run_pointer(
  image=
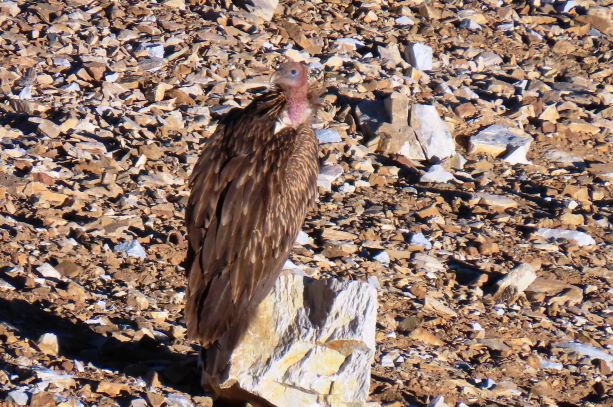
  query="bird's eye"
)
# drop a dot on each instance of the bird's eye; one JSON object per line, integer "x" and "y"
{"x": 293, "y": 72}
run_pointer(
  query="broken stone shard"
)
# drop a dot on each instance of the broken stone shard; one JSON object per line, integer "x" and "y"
{"x": 311, "y": 342}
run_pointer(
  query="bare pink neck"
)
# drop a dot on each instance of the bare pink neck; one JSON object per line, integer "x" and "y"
{"x": 297, "y": 105}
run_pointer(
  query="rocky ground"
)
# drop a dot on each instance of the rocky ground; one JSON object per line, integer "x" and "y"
{"x": 490, "y": 246}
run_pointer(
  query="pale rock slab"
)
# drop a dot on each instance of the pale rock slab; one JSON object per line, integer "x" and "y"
{"x": 432, "y": 132}
{"x": 516, "y": 281}
{"x": 310, "y": 343}
{"x": 563, "y": 157}
{"x": 264, "y": 9}
{"x": 18, "y": 397}
{"x": 437, "y": 173}
{"x": 48, "y": 271}
{"x": 580, "y": 238}
{"x": 488, "y": 59}
{"x": 495, "y": 201}
{"x": 325, "y": 136}
{"x": 496, "y": 140}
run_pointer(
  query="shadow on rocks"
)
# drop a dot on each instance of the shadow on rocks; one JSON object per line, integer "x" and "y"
{"x": 78, "y": 341}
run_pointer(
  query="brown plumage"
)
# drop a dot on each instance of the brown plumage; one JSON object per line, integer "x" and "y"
{"x": 251, "y": 189}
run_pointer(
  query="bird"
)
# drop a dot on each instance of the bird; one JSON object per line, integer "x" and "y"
{"x": 251, "y": 189}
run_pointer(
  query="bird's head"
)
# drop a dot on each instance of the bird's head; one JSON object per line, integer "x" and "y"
{"x": 291, "y": 77}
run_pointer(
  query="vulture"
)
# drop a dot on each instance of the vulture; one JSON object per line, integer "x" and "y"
{"x": 250, "y": 191}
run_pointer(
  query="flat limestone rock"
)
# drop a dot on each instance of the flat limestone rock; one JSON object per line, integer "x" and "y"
{"x": 580, "y": 238}
{"x": 311, "y": 342}
{"x": 497, "y": 140}
{"x": 432, "y": 132}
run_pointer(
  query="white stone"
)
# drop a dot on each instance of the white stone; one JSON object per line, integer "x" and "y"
{"x": 290, "y": 265}
{"x": 580, "y": 238}
{"x": 48, "y": 271}
{"x": 176, "y": 400}
{"x": 547, "y": 364}
{"x": 432, "y": 132}
{"x": 404, "y": 20}
{"x": 518, "y": 155}
{"x": 347, "y": 188}
{"x": 420, "y": 56}
{"x": 470, "y": 25}
{"x": 18, "y": 397}
{"x": 371, "y": 115}
{"x": 348, "y": 43}
{"x": 497, "y": 201}
{"x": 6, "y": 286}
{"x": 138, "y": 403}
{"x": 383, "y": 258}
{"x": 488, "y": 59}
{"x": 328, "y": 136}
{"x": 438, "y": 401}
{"x": 303, "y": 238}
{"x": 327, "y": 175}
{"x": 426, "y": 262}
{"x": 558, "y": 156}
{"x": 387, "y": 360}
{"x": 154, "y": 50}
{"x": 310, "y": 343}
{"x": 519, "y": 278}
{"x": 26, "y": 93}
{"x": 437, "y": 173}
{"x": 48, "y": 344}
{"x": 264, "y": 9}
{"x": 506, "y": 27}
{"x": 496, "y": 140}
{"x": 566, "y": 6}
{"x": 131, "y": 248}
{"x": 418, "y": 239}
{"x": 48, "y": 376}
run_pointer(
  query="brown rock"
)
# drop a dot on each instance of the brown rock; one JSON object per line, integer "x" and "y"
{"x": 42, "y": 399}
{"x": 111, "y": 389}
{"x": 69, "y": 268}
